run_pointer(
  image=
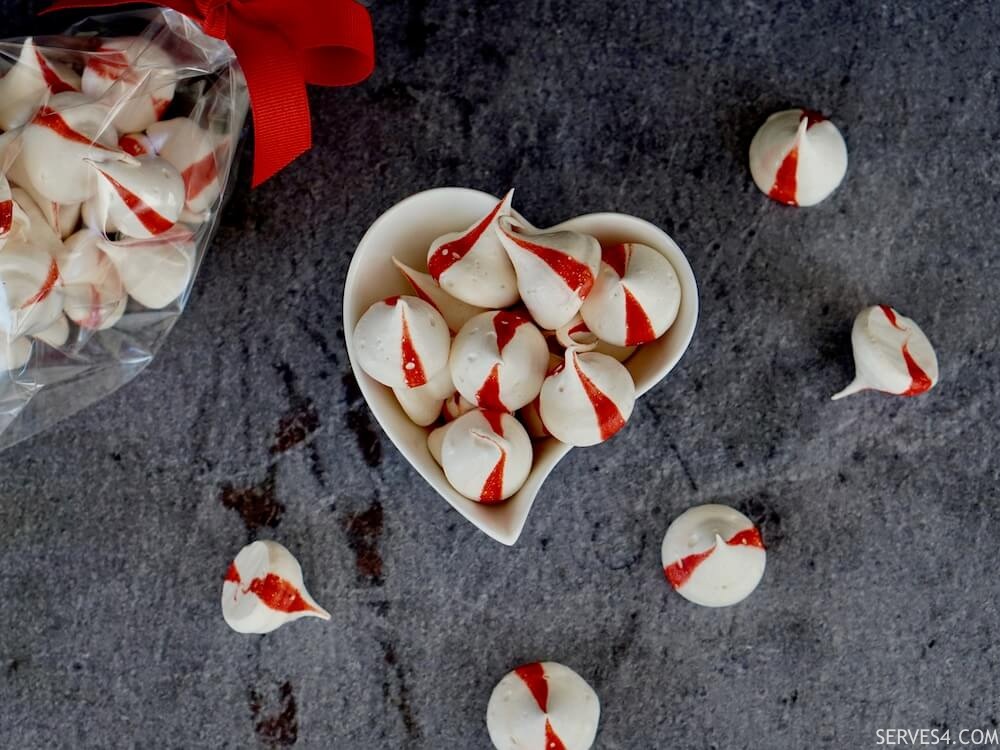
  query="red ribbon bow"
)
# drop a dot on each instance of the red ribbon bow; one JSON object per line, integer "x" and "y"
{"x": 282, "y": 45}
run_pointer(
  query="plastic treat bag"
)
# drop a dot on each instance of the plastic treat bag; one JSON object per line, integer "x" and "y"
{"x": 117, "y": 141}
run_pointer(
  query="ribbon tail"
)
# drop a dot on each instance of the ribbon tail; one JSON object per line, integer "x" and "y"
{"x": 282, "y": 129}
{"x": 184, "y": 6}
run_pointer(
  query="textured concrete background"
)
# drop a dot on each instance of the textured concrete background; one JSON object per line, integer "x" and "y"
{"x": 878, "y": 606}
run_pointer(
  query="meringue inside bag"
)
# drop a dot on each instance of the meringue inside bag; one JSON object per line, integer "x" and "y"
{"x": 116, "y": 145}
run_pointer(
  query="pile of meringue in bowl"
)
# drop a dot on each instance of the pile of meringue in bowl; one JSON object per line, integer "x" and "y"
{"x": 487, "y": 348}
{"x": 114, "y": 153}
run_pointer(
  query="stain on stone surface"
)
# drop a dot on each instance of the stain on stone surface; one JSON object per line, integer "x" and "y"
{"x": 401, "y": 700}
{"x": 300, "y": 421}
{"x": 275, "y": 725}
{"x": 257, "y": 504}
{"x": 358, "y": 421}
{"x": 364, "y": 532}
{"x": 765, "y": 517}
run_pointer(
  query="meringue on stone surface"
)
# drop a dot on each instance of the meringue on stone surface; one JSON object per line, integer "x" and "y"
{"x": 798, "y": 157}
{"x": 139, "y": 200}
{"x": 543, "y": 706}
{"x": 135, "y": 77}
{"x": 891, "y": 354}
{"x": 263, "y": 590}
{"x": 472, "y": 266}
{"x": 402, "y": 342}
{"x": 635, "y": 298}
{"x": 155, "y": 271}
{"x": 588, "y": 399}
{"x": 713, "y": 555}
{"x": 555, "y": 270}
{"x": 498, "y": 360}
{"x": 24, "y": 87}
{"x": 93, "y": 294}
{"x": 455, "y": 312}
{"x": 485, "y": 455}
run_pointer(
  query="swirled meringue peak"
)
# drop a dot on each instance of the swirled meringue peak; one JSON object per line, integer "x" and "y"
{"x": 498, "y": 360}
{"x": 798, "y": 157}
{"x": 263, "y": 590}
{"x": 555, "y": 270}
{"x": 472, "y": 265}
{"x": 26, "y": 85}
{"x": 635, "y": 298}
{"x": 485, "y": 455}
{"x": 588, "y": 399}
{"x": 455, "y": 312}
{"x": 713, "y": 555}
{"x": 402, "y": 342}
{"x": 891, "y": 354}
{"x": 543, "y": 706}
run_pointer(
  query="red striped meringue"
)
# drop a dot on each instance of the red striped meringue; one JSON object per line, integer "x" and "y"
{"x": 635, "y": 298}
{"x": 29, "y": 82}
{"x": 197, "y": 154}
{"x": 588, "y": 399}
{"x": 555, "y": 270}
{"x": 498, "y": 360}
{"x": 472, "y": 265}
{"x": 402, "y": 342}
{"x": 485, "y": 455}
{"x": 93, "y": 295}
{"x": 155, "y": 271}
{"x": 135, "y": 77}
{"x": 141, "y": 200}
{"x": 455, "y": 312}
{"x": 7, "y": 209}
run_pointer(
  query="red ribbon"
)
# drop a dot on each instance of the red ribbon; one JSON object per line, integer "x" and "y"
{"x": 282, "y": 45}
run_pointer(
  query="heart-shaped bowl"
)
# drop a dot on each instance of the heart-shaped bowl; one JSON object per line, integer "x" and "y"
{"x": 406, "y": 231}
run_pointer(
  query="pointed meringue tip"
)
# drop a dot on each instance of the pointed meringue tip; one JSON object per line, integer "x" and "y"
{"x": 856, "y": 386}
{"x": 508, "y": 198}
{"x": 719, "y": 541}
{"x": 803, "y": 127}
{"x": 318, "y": 611}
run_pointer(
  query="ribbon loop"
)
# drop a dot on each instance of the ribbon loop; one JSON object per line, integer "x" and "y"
{"x": 282, "y": 45}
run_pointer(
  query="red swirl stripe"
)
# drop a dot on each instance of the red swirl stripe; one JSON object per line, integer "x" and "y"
{"x": 153, "y": 221}
{"x": 609, "y": 417}
{"x": 46, "y": 288}
{"x": 679, "y": 572}
{"x": 56, "y": 84}
{"x": 449, "y": 253}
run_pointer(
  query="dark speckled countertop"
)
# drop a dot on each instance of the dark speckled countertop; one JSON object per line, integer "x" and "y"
{"x": 878, "y": 608}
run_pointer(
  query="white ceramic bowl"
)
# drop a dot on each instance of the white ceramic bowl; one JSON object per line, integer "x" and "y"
{"x": 406, "y": 231}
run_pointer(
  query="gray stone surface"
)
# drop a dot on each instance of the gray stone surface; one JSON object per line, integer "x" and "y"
{"x": 878, "y": 605}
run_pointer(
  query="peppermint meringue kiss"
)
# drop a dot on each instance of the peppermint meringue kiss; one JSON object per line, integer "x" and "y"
{"x": 588, "y": 399}
{"x": 555, "y": 270}
{"x": 194, "y": 152}
{"x": 485, "y": 455}
{"x": 402, "y": 342}
{"x": 472, "y": 265}
{"x": 93, "y": 294}
{"x": 455, "y": 312}
{"x": 798, "y": 157}
{"x": 635, "y": 298}
{"x": 263, "y": 590}
{"x": 891, "y": 354}
{"x": 134, "y": 74}
{"x": 713, "y": 555}
{"x": 423, "y": 404}
{"x": 139, "y": 200}
{"x": 543, "y": 706}
{"x": 27, "y": 84}
{"x": 498, "y": 360}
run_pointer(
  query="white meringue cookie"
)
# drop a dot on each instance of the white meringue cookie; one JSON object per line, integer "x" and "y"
{"x": 498, "y": 360}
{"x": 263, "y": 590}
{"x": 798, "y": 157}
{"x": 455, "y": 406}
{"x": 140, "y": 201}
{"x": 588, "y": 399}
{"x": 135, "y": 77}
{"x": 423, "y": 405}
{"x": 26, "y": 85}
{"x": 156, "y": 271}
{"x": 635, "y": 298}
{"x": 472, "y": 265}
{"x": 543, "y": 706}
{"x": 555, "y": 270}
{"x": 891, "y": 354}
{"x": 713, "y": 555}
{"x": 14, "y": 353}
{"x": 198, "y": 154}
{"x": 62, "y": 217}
{"x": 486, "y": 456}
{"x": 93, "y": 294}
{"x": 56, "y": 335}
{"x": 62, "y": 140}
{"x": 576, "y": 333}
{"x": 402, "y": 342}
{"x": 455, "y": 312}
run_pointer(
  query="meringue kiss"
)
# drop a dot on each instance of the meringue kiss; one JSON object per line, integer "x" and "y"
{"x": 485, "y": 455}
{"x": 555, "y": 270}
{"x": 198, "y": 154}
{"x": 588, "y": 399}
{"x": 26, "y": 85}
{"x": 891, "y": 354}
{"x": 133, "y": 75}
{"x": 263, "y": 590}
{"x": 472, "y": 265}
{"x": 543, "y": 706}
{"x": 455, "y": 312}
{"x": 423, "y": 404}
{"x": 402, "y": 342}
{"x": 498, "y": 360}
{"x": 139, "y": 200}
{"x": 93, "y": 295}
{"x": 713, "y": 555}
{"x": 798, "y": 157}
{"x": 635, "y": 298}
